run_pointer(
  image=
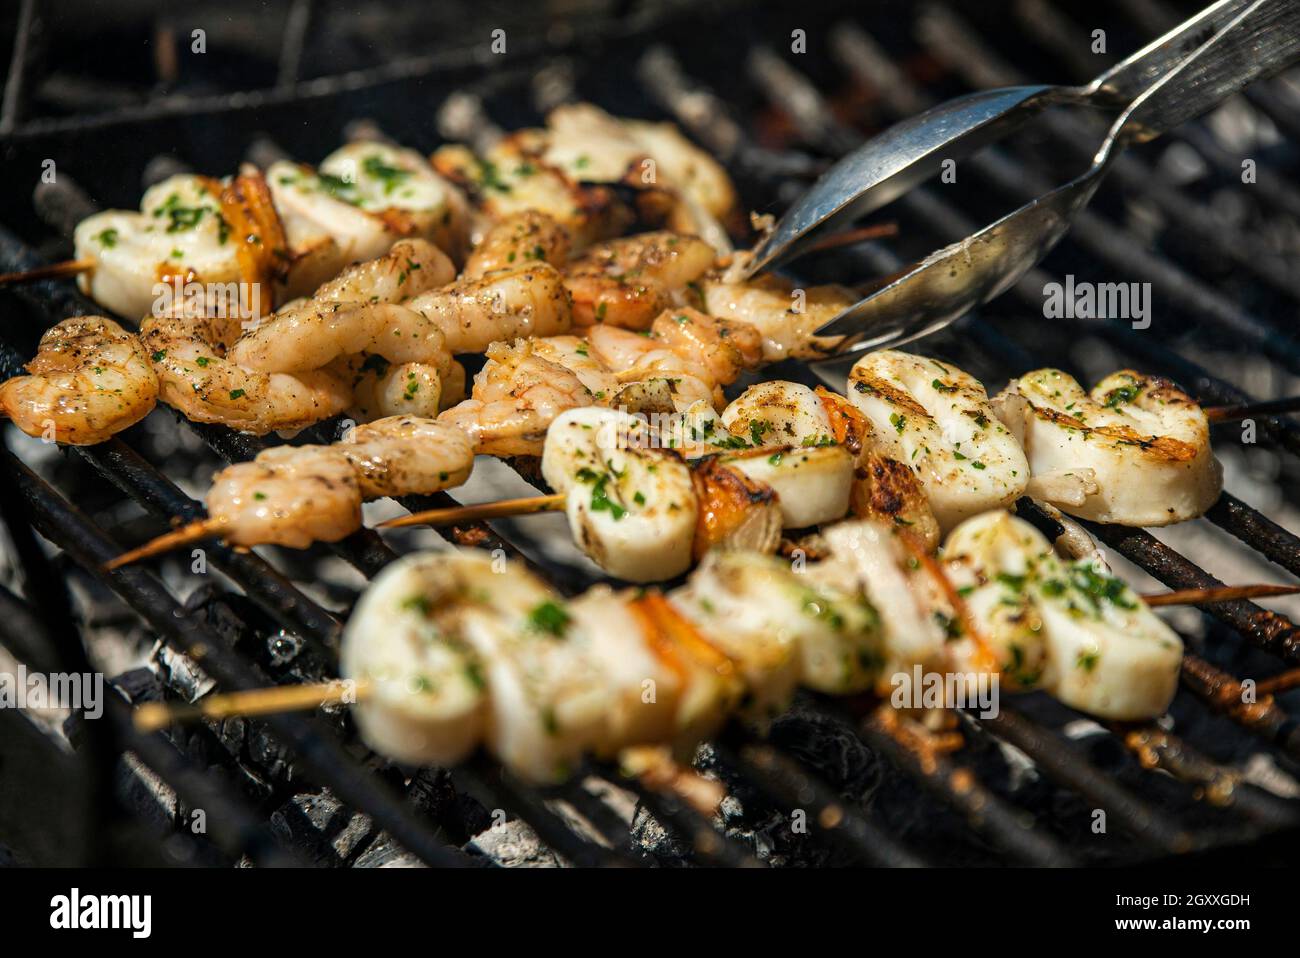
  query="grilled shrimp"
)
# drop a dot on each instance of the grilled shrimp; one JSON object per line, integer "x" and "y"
{"x": 289, "y": 496}
{"x": 179, "y": 231}
{"x": 427, "y": 703}
{"x": 1080, "y": 633}
{"x": 784, "y": 316}
{"x": 654, "y": 378}
{"x": 937, "y": 419}
{"x": 409, "y": 268}
{"x": 407, "y": 455}
{"x": 577, "y": 355}
{"x": 313, "y": 335}
{"x": 527, "y": 301}
{"x": 627, "y": 282}
{"x": 381, "y": 389}
{"x": 208, "y": 388}
{"x": 89, "y": 379}
{"x": 516, "y": 396}
{"x": 518, "y": 240}
{"x": 1136, "y": 449}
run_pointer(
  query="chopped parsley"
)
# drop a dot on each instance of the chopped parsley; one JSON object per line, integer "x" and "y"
{"x": 550, "y": 618}
{"x": 391, "y": 176}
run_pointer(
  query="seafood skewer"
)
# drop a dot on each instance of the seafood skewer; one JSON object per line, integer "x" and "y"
{"x": 639, "y": 510}
{"x": 446, "y": 651}
{"x": 296, "y": 495}
{"x": 294, "y": 227}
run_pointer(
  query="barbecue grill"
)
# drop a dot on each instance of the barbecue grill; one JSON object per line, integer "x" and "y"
{"x": 830, "y": 783}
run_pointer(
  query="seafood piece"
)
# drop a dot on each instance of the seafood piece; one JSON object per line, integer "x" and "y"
{"x": 289, "y": 496}
{"x": 206, "y": 387}
{"x": 528, "y": 301}
{"x": 90, "y": 379}
{"x": 1138, "y": 446}
{"x": 937, "y": 419}
{"x": 627, "y": 282}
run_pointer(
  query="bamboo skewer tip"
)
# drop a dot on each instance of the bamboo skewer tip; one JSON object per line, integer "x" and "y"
{"x": 71, "y": 267}
{"x": 194, "y": 531}
{"x": 505, "y": 508}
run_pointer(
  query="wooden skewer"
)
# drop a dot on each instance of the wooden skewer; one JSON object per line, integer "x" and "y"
{"x": 488, "y": 510}
{"x": 152, "y": 716}
{"x": 860, "y": 235}
{"x": 70, "y": 267}
{"x": 1282, "y": 682}
{"x": 1224, "y": 593}
{"x": 195, "y": 531}
{"x": 1268, "y": 407}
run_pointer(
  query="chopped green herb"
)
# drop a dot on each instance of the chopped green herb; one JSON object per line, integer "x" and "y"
{"x": 549, "y": 617}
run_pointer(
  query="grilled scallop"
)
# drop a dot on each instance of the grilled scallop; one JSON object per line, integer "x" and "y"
{"x": 547, "y": 701}
{"x": 812, "y": 475}
{"x": 711, "y": 683}
{"x": 779, "y": 413}
{"x": 398, "y": 186}
{"x": 870, "y": 559}
{"x": 1083, "y": 634}
{"x": 632, "y": 510}
{"x": 735, "y": 511}
{"x": 782, "y": 628}
{"x": 645, "y": 691}
{"x": 736, "y": 599}
{"x": 364, "y": 197}
{"x": 512, "y": 178}
{"x": 812, "y": 484}
{"x": 426, "y": 702}
{"x": 936, "y": 419}
{"x": 1135, "y": 451}
{"x": 178, "y": 232}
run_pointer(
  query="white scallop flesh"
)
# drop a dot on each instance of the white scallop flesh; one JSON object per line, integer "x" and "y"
{"x": 937, "y": 420}
{"x": 1142, "y": 444}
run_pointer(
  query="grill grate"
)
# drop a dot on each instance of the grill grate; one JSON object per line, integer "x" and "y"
{"x": 776, "y": 126}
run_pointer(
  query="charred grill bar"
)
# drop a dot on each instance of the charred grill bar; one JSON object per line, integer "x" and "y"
{"x": 776, "y": 119}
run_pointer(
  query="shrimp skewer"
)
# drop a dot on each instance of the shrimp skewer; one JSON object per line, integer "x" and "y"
{"x": 296, "y": 495}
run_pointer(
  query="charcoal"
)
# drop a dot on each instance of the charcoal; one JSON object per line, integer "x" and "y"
{"x": 513, "y": 844}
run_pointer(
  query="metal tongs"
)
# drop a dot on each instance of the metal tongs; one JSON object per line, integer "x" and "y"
{"x": 1176, "y": 78}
